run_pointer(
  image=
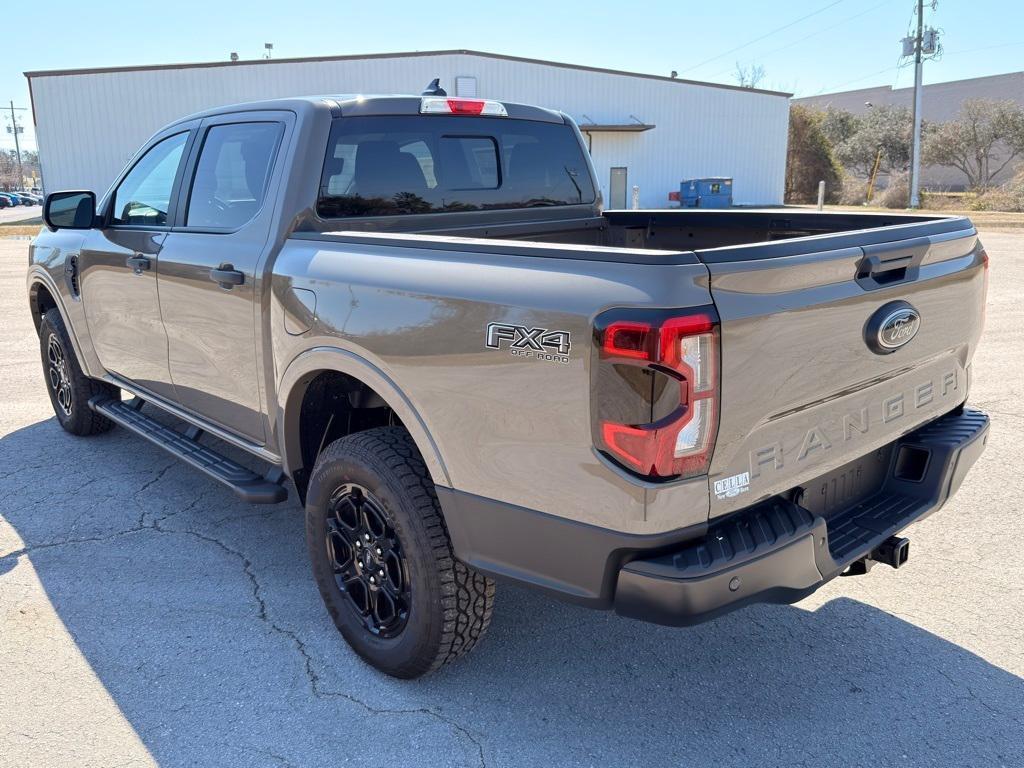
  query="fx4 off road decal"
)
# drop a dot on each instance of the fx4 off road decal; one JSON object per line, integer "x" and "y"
{"x": 535, "y": 343}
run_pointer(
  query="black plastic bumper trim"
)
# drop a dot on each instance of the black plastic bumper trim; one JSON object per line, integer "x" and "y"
{"x": 571, "y": 560}
{"x": 778, "y": 552}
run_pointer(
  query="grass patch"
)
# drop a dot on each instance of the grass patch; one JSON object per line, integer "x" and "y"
{"x": 987, "y": 219}
{"x": 19, "y": 229}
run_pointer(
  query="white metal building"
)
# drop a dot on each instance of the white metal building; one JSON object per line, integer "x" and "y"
{"x": 643, "y": 130}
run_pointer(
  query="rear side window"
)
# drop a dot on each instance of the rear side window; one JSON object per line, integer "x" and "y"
{"x": 232, "y": 173}
{"x": 393, "y": 165}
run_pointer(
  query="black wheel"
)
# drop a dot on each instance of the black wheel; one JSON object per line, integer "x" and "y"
{"x": 69, "y": 388}
{"x": 382, "y": 558}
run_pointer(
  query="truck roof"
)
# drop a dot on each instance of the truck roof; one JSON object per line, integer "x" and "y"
{"x": 352, "y": 105}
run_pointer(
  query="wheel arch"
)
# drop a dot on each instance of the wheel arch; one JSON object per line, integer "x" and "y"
{"x": 44, "y": 295}
{"x": 313, "y": 364}
{"x": 41, "y": 300}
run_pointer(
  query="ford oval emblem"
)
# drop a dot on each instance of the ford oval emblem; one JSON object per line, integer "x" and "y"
{"x": 891, "y": 326}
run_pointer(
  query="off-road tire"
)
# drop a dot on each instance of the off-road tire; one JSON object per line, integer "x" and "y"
{"x": 450, "y": 604}
{"x": 74, "y": 415}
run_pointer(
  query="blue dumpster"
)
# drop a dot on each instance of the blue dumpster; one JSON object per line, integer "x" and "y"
{"x": 711, "y": 192}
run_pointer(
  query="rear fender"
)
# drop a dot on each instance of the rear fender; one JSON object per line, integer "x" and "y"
{"x": 304, "y": 368}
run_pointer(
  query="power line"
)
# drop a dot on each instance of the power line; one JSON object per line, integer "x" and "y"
{"x": 984, "y": 48}
{"x": 829, "y": 89}
{"x": 900, "y": 67}
{"x": 762, "y": 37}
{"x": 813, "y": 34}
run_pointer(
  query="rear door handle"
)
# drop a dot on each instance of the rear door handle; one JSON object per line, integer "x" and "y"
{"x": 138, "y": 263}
{"x": 226, "y": 276}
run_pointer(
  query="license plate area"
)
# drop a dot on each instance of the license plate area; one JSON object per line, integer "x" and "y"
{"x": 847, "y": 485}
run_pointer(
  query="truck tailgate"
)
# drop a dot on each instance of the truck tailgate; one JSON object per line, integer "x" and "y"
{"x": 807, "y": 385}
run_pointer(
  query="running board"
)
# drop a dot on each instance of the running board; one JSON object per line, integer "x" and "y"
{"x": 248, "y": 485}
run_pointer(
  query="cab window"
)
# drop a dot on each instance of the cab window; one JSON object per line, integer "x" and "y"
{"x": 393, "y": 165}
{"x": 232, "y": 174}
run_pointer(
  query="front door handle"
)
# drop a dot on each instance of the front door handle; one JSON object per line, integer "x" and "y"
{"x": 138, "y": 263}
{"x": 226, "y": 276}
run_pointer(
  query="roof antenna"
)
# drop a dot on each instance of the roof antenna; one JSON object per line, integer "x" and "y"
{"x": 435, "y": 89}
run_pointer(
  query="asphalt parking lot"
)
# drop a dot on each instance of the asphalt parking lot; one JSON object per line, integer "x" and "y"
{"x": 147, "y": 617}
{"x": 15, "y": 214}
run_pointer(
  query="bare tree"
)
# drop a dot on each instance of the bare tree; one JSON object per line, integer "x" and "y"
{"x": 838, "y": 125}
{"x": 985, "y": 138}
{"x": 9, "y": 176}
{"x": 749, "y": 75}
{"x": 881, "y": 134}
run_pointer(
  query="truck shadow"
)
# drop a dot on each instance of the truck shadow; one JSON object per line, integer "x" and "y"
{"x": 198, "y": 617}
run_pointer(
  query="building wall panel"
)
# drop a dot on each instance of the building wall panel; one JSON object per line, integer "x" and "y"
{"x": 90, "y": 124}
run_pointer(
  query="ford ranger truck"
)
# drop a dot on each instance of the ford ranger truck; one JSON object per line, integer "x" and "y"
{"x": 413, "y": 311}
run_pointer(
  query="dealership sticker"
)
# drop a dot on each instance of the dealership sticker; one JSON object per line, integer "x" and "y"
{"x": 728, "y": 487}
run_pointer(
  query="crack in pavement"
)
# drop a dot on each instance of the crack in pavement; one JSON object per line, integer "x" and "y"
{"x": 300, "y": 646}
{"x": 157, "y": 525}
{"x": 155, "y": 480}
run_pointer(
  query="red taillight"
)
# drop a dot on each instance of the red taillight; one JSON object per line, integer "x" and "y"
{"x": 674, "y": 332}
{"x": 441, "y": 105}
{"x": 626, "y": 339}
{"x": 684, "y": 350}
{"x": 466, "y": 106}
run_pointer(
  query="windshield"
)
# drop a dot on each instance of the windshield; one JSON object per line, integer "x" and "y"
{"x": 393, "y": 165}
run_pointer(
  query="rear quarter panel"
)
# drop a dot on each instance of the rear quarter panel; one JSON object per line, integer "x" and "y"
{"x": 508, "y": 427}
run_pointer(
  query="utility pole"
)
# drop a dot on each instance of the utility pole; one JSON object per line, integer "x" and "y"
{"x": 924, "y": 43}
{"x": 16, "y": 129}
{"x": 915, "y": 157}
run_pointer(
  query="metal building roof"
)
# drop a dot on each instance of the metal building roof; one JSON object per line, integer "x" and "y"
{"x": 400, "y": 54}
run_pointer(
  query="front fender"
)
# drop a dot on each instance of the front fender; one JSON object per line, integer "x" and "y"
{"x": 305, "y": 367}
{"x": 41, "y": 278}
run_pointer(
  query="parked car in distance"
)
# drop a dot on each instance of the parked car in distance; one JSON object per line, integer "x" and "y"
{"x": 417, "y": 310}
{"x": 5, "y": 202}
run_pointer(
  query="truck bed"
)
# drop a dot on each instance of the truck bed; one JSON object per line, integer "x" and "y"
{"x": 651, "y": 236}
{"x": 792, "y": 288}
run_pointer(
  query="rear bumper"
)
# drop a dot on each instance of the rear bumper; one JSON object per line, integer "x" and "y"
{"x": 777, "y": 551}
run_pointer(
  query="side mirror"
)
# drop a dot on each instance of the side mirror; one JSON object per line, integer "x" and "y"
{"x": 70, "y": 210}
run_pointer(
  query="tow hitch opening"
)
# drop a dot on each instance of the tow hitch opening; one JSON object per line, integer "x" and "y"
{"x": 893, "y": 552}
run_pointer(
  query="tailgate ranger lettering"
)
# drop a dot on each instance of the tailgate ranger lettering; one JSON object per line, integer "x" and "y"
{"x": 819, "y": 438}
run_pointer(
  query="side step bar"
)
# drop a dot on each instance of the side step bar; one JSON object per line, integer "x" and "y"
{"x": 248, "y": 485}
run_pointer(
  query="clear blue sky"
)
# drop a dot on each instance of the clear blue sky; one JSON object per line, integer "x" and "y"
{"x": 840, "y": 45}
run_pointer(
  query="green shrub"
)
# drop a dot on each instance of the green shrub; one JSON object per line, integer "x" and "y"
{"x": 809, "y": 159}
{"x": 1008, "y": 197}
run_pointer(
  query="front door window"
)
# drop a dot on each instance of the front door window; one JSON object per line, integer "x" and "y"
{"x": 144, "y": 196}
